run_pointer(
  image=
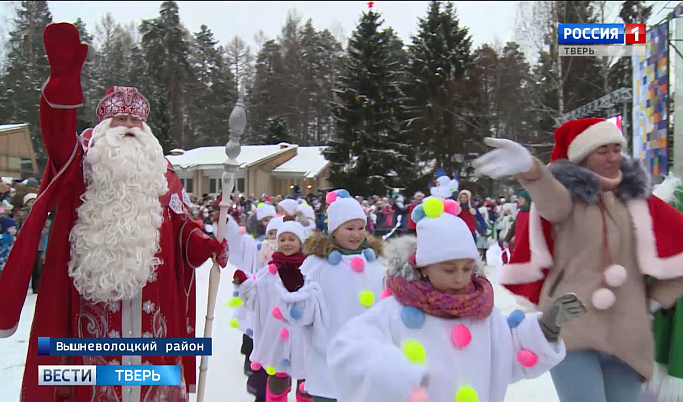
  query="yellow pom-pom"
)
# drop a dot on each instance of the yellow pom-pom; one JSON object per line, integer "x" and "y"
{"x": 414, "y": 351}
{"x": 236, "y": 301}
{"x": 367, "y": 298}
{"x": 235, "y": 323}
{"x": 231, "y": 303}
{"x": 433, "y": 207}
{"x": 466, "y": 394}
{"x": 260, "y": 204}
{"x": 270, "y": 370}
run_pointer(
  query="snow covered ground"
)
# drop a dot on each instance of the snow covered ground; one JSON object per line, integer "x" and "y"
{"x": 225, "y": 380}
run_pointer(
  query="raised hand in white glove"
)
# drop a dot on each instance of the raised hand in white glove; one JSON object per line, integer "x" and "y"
{"x": 654, "y": 306}
{"x": 508, "y": 159}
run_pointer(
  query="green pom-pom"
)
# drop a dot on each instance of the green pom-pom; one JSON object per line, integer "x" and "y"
{"x": 235, "y": 323}
{"x": 414, "y": 351}
{"x": 236, "y": 301}
{"x": 433, "y": 207}
{"x": 466, "y": 394}
{"x": 367, "y": 298}
{"x": 270, "y": 370}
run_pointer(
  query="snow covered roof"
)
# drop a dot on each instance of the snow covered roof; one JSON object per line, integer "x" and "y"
{"x": 205, "y": 156}
{"x": 309, "y": 161}
{"x": 8, "y": 127}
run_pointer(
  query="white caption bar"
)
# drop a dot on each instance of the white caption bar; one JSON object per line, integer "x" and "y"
{"x": 602, "y": 50}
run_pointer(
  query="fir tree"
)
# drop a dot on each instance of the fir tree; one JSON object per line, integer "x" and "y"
{"x": 266, "y": 99}
{"x": 27, "y": 69}
{"x": 439, "y": 114}
{"x": 369, "y": 154}
{"x": 277, "y": 131}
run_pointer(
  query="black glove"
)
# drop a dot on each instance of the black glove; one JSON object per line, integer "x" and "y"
{"x": 564, "y": 309}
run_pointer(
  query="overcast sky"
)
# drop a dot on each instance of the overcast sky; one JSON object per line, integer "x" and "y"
{"x": 487, "y": 21}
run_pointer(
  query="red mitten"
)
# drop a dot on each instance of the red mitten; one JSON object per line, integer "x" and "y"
{"x": 239, "y": 277}
{"x": 66, "y": 54}
{"x": 223, "y": 254}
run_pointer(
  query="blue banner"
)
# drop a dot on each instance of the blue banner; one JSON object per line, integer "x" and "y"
{"x": 138, "y": 375}
{"x": 590, "y": 34}
{"x": 124, "y": 346}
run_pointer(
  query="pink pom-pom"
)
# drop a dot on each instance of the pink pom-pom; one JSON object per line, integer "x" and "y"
{"x": 461, "y": 336}
{"x": 284, "y": 333}
{"x": 385, "y": 293}
{"x": 255, "y": 366}
{"x": 451, "y": 207}
{"x": 331, "y": 197}
{"x": 418, "y": 394}
{"x": 281, "y": 375}
{"x": 615, "y": 275}
{"x": 243, "y": 230}
{"x": 278, "y": 216}
{"x": 527, "y": 358}
{"x": 357, "y": 264}
{"x": 301, "y": 387}
{"x": 272, "y": 269}
{"x": 603, "y": 298}
{"x": 254, "y": 276}
{"x": 277, "y": 313}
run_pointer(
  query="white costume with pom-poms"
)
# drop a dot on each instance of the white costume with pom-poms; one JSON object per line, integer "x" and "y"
{"x": 392, "y": 349}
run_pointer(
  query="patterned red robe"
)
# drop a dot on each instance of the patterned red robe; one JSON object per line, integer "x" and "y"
{"x": 165, "y": 308}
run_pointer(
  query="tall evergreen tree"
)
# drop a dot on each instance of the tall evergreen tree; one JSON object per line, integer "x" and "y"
{"x": 266, "y": 98}
{"x": 27, "y": 69}
{"x": 438, "y": 117}
{"x": 621, "y": 72}
{"x": 167, "y": 52}
{"x": 370, "y": 154}
{"x": 212, "y": 94}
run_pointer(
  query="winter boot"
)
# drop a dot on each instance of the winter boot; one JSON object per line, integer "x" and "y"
{"x": 280, "y": 385}
{"x": 301, "y": 394}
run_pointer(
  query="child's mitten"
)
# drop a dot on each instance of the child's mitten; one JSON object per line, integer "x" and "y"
{"x": 239, "y": 277}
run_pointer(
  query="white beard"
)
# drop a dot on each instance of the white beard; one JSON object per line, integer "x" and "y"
{"x": 116, "y": 236}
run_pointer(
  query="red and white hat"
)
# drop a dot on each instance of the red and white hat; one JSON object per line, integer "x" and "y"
{"x": 575, "y": 139}
{"x": 123, "y": 100}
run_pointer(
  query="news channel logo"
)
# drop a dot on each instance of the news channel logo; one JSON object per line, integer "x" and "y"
{"x": 601, "y": 34}
{"x": 109, "y": 375}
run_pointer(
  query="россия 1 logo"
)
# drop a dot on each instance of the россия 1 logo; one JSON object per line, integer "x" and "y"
{"x": 600, "y": 34}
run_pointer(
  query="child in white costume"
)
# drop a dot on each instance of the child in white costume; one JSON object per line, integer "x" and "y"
{"x": 439, "y": 337}
{"x": 250, "y": 250}
{"x": 343, "y": 278}
{"x": 278, "y": 347}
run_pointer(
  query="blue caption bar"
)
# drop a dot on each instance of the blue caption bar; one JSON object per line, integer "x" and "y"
{"x": 590, "y": 34}
{"x": 124, "y": 346}
{"x": 138, "y": 375}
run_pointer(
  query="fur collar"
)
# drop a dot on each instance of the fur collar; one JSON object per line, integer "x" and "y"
{"x": 322, "y": 245}
{"x": 584, "y": 184}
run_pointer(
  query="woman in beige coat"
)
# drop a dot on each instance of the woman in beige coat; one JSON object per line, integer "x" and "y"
{"x": 605, "y": 243}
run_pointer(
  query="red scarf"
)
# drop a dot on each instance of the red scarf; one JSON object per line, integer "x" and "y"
{"x": 476, "y": 302}
{"x": 288, "y": 268}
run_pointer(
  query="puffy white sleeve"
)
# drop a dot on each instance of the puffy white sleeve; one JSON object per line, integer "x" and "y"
{"x": 248, "y": 292}
{"x": 243, "y": 248}
{"x": 528, "y": 345}
{"x": 365, "y": 363}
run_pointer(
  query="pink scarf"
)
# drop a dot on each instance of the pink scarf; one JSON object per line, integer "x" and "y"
{"x": 476, "y": 302}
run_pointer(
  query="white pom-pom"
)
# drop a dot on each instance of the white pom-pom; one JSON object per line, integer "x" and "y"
{"x": 603, "y": 298}
{"x": 615, "y": 275}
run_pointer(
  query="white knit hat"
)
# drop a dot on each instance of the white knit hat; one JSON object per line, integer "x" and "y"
{"x": 274, "y": 223}
{"x": 30, "y": 196}
{"x": 294, "y": 228}
{"x": 289, "y": 205}
{"x": 265, "y": 210}
{"x": 441, "y": 235}
{"x": 342, "y": 208}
